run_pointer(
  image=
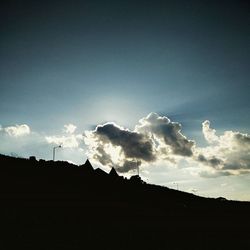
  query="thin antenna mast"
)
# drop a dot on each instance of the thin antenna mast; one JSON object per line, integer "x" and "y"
{"x": 54, "y": 151}
{"x": 138, "y": 170}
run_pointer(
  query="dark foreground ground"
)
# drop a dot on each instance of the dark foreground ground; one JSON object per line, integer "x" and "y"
{"x": 57, "y": 205}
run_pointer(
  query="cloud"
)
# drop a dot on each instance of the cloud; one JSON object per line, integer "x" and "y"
{"x": 16, "y": 130}
{"x": 113, "y": 145}
{"x": 212, "y": 161}
{"x": 69, "y": 139}
{"x": 228, "y": 153}
{"x": 133, "y": 144}
{"x": 69, "y": 128}
{"x": 167, "y": 133}
{"x": 214, "y": 174}
{"x": 66, "y": 141}
{"x": 157, "y": 138}
{"x": 209, "y": 133}
{"x": 154, "y": 137}
{"x": 21, "y": 140}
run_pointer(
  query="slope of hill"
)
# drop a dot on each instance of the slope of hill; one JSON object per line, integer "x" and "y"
{"x": 58, "y": 205}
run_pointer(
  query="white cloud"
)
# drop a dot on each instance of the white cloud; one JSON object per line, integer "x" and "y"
{"x": 22, "y": 141}
{"x": 69, "y": 128}
{"x": 16, "y": 130}
{"x": 209, "y": 133}
{"x": 70, "y": 141}
{"x": 230, "y": 152}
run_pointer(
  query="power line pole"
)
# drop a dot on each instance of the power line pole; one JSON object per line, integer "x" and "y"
{"x": 54, "y": 151}
{"x": 138, "y": 171}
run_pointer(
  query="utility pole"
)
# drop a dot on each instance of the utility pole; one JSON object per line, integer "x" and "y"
{"x": 54, "y": 151}
{"x": 138, "y": 171}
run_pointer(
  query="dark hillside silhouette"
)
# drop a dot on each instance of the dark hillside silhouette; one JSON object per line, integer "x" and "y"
{"x": 58, "y": 205}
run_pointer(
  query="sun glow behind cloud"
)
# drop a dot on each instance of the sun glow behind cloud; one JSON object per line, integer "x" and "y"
{"x": 116, "y": 152}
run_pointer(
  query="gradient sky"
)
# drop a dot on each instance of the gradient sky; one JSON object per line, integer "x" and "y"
{"x": 90, "y": 62}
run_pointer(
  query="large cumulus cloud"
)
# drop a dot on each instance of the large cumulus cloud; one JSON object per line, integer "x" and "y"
{"x": 154, "y": 137}
{"x": 134, "y": 144}
{"x": 113, "y": 145}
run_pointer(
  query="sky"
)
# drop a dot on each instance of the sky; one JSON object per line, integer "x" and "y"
{"x": 163, "y": 85}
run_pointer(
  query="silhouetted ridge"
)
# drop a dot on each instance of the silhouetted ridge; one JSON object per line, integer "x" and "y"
{"x": 57, "y": 205}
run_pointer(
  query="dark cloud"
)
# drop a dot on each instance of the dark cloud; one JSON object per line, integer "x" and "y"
{"x": 242, "y": 139}
{"x": 209, "y": 174}
{"x": 214, "y": 162}
{"x": 128, "y": 166}
{"x": 134, "y": 145}
{"x": 169, "y": 132}
{"x": 243, "y": 163}
{"x": 103, "y": 157}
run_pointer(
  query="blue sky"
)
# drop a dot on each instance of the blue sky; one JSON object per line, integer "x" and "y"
{"x": 90, "y": 62}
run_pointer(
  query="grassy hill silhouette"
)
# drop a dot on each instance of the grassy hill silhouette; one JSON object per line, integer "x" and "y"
{"x": 59, "y": 205}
